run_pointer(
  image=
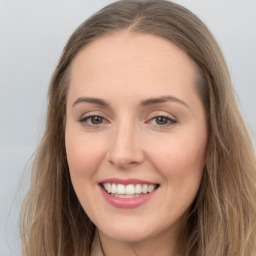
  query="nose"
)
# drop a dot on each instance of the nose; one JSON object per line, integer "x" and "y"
{"x": 125, "y": 149}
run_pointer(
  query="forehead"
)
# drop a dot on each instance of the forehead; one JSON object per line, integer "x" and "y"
{"x": 133, "y": 61}
{"x": 123, "y": 47}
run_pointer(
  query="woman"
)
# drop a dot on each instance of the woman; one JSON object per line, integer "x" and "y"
{"x": 145, "y": 151}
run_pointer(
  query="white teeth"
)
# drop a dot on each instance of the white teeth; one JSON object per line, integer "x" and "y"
{"x": 120, "y": 189}
{"x": 109, "y": 187}
{"x": 113, "y": 189}
{"x": 138, "y": 189}
{"x": 150, "y": 188}
{"x": 125, "y": 196}
{"x": 145, "y": 189}
{"x": 129, "y": 190}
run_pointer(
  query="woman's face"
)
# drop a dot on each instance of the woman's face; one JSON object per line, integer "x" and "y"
{"x": 136, "y": 128}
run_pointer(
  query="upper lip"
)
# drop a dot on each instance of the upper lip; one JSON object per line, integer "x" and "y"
{"x": 126, "y": 181}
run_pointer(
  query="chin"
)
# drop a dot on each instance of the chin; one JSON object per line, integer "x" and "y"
{"x": 128, "y": 232}
{"x": 128, "y": 237}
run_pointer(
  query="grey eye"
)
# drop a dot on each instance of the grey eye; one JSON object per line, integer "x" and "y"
{"x": 162, "y": 120}
{"x": 92, "y": 120}
{"x": 96, "y": 120}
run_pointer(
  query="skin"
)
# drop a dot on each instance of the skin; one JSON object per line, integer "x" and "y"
{"x": 125, "y": 69}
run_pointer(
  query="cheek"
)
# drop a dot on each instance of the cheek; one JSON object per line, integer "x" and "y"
{"x": 181, "y": 161}
{"x": 182, "y": 150}
{"x": 182, "y": 167}
{"x": 84, "y": 156}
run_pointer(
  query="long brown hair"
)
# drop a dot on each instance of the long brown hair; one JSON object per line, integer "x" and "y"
{"x": 222, "y": 219}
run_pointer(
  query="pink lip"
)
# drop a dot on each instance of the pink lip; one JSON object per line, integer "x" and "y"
{"x": 127, "y": 203}
{"x": 126, "y": 181}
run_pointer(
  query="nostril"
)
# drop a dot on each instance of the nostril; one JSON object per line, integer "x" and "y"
{"x": 124, "y": 151}
{"x": 125, "y": 158}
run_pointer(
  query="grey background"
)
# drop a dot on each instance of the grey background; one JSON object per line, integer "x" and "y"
{"x": 32, "y": 35}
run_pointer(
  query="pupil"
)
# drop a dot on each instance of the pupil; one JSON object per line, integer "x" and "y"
{"x": 161, "y": 120}
{"x": 96, "y": 120}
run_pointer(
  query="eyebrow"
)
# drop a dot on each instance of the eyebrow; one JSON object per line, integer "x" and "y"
{"x": 145, "y": 103}
{"x": 163, "y": 99}
{"x": 95, "y": 101}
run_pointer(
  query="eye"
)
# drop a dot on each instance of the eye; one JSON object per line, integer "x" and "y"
{"x": 93, "y": 121}
{"x": 162, "y": 120}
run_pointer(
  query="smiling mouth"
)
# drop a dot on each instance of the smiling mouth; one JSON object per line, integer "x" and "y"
{"x": 129, "y": 190}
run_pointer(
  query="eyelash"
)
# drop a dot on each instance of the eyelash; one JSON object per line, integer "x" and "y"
{"x": 87, "y": 121}
{"x": 170, "y": 121}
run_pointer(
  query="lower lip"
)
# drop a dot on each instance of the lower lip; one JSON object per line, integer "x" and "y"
{"x": 127, "y": 203}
